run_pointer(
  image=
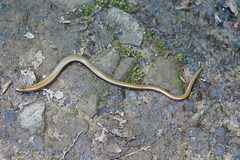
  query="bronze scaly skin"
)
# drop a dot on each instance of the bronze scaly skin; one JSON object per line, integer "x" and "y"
{"x": 77, "y": 58}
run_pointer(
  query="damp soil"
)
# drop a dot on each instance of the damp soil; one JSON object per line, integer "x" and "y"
{"x": 80, "y": 116}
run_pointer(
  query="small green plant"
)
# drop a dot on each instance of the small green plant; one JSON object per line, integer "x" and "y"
{"x": 180, "y": 57}
{"x": 86, "y": 10}
{"x": 140, "y": 54}
{"x": 100, "y": 1}
{"x": 123, "y": 50}
{"x": 135, "y": 75}
{"x": 179, "y": 73}
{"x": 158, "y": 45}
{"x": 37, "y": 76}
{"x": 148, "y": 35}
{"x": 161, "y": 47}
{"x": 94, "y": 77}
{"x": 127, "y": 51}
{"x": 99, "y": 90}
{"x": 105, "y": 99}
{"x": 17, "y": 154}
{"x": 121, "y": 4}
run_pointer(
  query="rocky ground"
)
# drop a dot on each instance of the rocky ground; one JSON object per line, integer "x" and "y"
{"x": 155, "y": 42}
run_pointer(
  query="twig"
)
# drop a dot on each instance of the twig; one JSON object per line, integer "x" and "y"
{"x": 70, "y": 147}
{"x": 141, "y": 149}
{"x": 5, "y": 86}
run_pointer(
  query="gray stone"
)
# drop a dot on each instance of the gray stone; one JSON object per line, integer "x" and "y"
{"x": 234, "y": 125}
{"x": 132, "y": 30}
{"x": 124, "y": 68}
{"x": 219, "y": 150}
{"x": 79, "y": 81}
{"x": 141, "y": 156}
{"x": 102, "y": 35}
{"x": 197, "y": 117}
{"x": 236, "y": 40}
{"x": 131, "y": 96}
{"x": 88, "y": 105}
{"x": 71, "y": 4}
{"x": 69, "y": 124}
{"x": 164, "y": 73}
{"x": 108, "y": 61}
{"x": 113, "y": 148}
{"x": 131, "y": 111}
{"x": 32, "y": 117}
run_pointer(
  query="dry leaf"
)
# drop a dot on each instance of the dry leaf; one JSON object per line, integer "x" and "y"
{"x": 28, "y": 77}
{"x": 50, "y": 94}
{"x": 5, "y": 86}
{"x": 217, "y": 19}
{"x": 58, "y": 95}
{"x": 182, "y": 79}
{"x": 235, "y": 25}
{"x": 29, "y": 35}
{"x": 233, "y": 6}
{"x": 180, "y": 129}
{"x": 39, "y": 58}
{"x": 187, "y": 4}
{"x": 62, "y": 20}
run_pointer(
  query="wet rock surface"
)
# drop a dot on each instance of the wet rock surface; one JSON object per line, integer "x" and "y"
{"x": 151, "y": 42}
{"x": 164, "y": 73}
{"x": 124, "y": 68}
{"x": 108, "y": 61}
{"x": 72, "y": 4}
{"x": 89, "y": 105}
{"x": 130, "y": 31}
{"x": 32, "y": 117}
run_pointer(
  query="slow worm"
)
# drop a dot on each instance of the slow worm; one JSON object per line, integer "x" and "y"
{"x": 77, "y": 58}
